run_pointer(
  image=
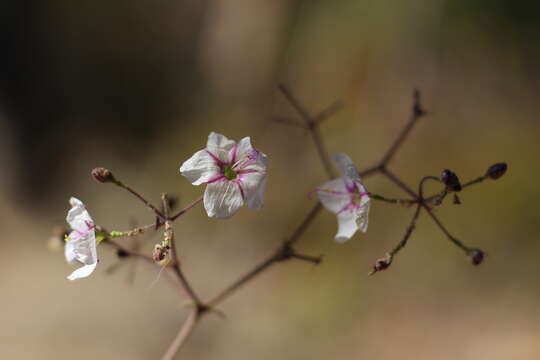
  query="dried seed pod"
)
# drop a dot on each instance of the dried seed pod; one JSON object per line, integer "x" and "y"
{"x": 495, "y": 171}
{"x": 451, "y": 180}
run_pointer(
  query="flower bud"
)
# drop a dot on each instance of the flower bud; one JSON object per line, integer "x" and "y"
{"x": 381, "y": 264}
{"x": 102, "y": 175}
{"x": 450, "y": 179}
{"x": 477, "y": 256}
{"x": 159, "y": 252}
{"x": 495, "y": 171}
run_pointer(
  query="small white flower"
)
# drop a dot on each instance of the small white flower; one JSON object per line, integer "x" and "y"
{"x": 235, "y": 173}
{"x": 81, "y": 243}
{"x": 347, "y": 198}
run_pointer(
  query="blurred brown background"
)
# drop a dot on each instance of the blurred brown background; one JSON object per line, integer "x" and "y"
{"x": 136, "y": 86}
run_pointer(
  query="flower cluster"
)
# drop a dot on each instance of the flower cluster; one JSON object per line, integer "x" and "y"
{"x": 234, "y": 174}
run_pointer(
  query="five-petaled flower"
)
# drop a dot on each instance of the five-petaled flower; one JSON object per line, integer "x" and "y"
{"x": 81, "y": 243}
{"x": 235, "y": 173}
{"x": 347, "y": 198}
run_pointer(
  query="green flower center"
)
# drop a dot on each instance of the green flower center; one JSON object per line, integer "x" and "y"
{"x": 229, "y": 173}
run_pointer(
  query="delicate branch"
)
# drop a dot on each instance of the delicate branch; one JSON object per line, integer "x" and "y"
{"x": 127, "y": 251}
{"x": 390, "y": 175}
{"x": 326, "y": 114}
{"x": 138, "y": 196}
{"x": 286, "y": 250}
{"x": 404, "y": 202}
{"x": 416, "y": 113}
{"x": 183, "y": 334}
{"x": 169, "y": 239}
{"x": 312, "y": 125}
{"x": 135, "y": 231}
{"x": 187, "y": 208}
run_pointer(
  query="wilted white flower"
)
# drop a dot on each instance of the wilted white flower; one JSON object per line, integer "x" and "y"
{"x": 81, "y": 243}
{"x": 347, "y": 198}
{"x": 235, "y": 173}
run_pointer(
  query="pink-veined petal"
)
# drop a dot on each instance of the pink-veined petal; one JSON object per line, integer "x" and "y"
{"x": 78, "y": 217}
{"x": 219, "y": 145}
{"x": 246, "y": 157}
{"x": 81, "y": 246}
{"x": 200, "y": 168}
{"x": 334, "y": 195}
{"x": 222, "y": 199}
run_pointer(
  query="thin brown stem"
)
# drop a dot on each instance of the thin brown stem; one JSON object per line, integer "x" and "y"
{"x": 312, "y": 126}
{"x": 129, "y": 252}
{"x": 370, "y": 171}
{"x": 183, "y": 334}
{"x": 447, "y": 233}
{"x": 326, "y": 114}
{"x": 280, "y": 254}
{"x": 138, "y": 196}
{"x": 242, "y": 281}
{"x": 416, "y": 113}
{"x": 390, "y": 175}
{"x": 187, "y": 208}
{"x": 135, "y": 231}
{"x": 408, "y": 232}
{"x": 169, "y": 238}
{"x": 405, "y": 202}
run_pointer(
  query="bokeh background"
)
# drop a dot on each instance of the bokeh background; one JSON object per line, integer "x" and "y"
{"x": 136, "y": 86}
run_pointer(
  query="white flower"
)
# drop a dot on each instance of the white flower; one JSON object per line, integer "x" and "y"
{"x": 347, "y": 198}
{"x": 235, "y": 173}
{"x": 81, "y": 243}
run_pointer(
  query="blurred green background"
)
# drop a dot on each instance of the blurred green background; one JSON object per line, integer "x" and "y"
{"x": 136, "y": 86}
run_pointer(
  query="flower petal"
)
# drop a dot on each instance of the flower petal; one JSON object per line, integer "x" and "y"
{"x": 82, "y": 272}
{"x": 200, "y": 168}
{"x": 362, "y": 215}
{"x": 219, "y": 145}
{"x": 245, "y": 157}
{"x": 78, "y": 217}
{"x": 255, "y": 194}
{"x": 347, "y": 225}
{"x": 81, "y": 245}
{"x": 222, "y": 199}
{"x": 69, "y": 252}
{"x": 334, "y": 195}
{"x": 345, "y": 165}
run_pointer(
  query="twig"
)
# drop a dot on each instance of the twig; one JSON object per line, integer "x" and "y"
{"x": 169, "y": 237}
{"x": 416, "y": 113}
{"x": 187, "y": 208}
{"x": 138, "y": 196}
{"x": 183, "y": 334}
{"x": 312, "y": 125}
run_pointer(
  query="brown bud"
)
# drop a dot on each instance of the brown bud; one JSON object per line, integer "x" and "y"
{"x": 477, "y": 256}
{"x": 457, "y": 200}
{"x": 102, "y": 175}
{"x": 381, "y": 264}
{"x": 495, "y": 171}
{"x": 451, "y": 180}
